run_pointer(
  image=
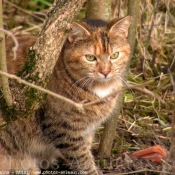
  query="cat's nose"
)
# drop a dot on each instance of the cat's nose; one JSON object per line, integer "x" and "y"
{"x": 105, "y": 72}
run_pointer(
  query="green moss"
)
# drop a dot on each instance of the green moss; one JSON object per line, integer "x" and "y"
{"x": 31, "y": 95}
{"x": 103, "y": 163}
{"x": 115, "y": 151}
{"x": 121, "y": 145}
{"x": 29, "y": 64}
{"x": 9, "y": 115}
{"x": 36, "y": 97}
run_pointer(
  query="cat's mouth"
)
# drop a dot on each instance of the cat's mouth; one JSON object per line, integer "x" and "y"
{"x": 103, "y": 78}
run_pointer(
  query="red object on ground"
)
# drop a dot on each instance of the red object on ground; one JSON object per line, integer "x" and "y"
{"x": 155, "y": 153}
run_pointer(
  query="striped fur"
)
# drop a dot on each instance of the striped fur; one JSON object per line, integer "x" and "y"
{"x": 61, "y": 131}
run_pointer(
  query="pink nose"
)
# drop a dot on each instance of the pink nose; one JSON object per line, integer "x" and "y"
{"x": 105, "y": 72}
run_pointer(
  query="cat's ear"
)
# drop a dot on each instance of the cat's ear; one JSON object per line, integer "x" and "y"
{"x": 120, "y": 27}
{"x": 78, "y": 31}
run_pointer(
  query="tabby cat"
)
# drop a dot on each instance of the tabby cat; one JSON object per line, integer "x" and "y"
{"x": 92, "y": 65}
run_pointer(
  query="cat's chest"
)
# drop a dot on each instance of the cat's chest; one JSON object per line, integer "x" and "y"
{"x": 102, "y": 92}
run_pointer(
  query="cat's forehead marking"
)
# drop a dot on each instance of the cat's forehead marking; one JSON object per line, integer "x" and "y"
{"x": 102, "y": 42}
{"x": 98, "y": 46}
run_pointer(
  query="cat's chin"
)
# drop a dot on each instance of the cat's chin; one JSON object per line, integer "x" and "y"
{"x": 103, "y": 80}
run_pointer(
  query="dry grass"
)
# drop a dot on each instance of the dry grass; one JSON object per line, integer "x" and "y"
{"x": 149, "y": 110}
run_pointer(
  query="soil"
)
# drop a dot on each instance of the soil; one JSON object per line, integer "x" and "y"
{"x": 144, "y": 134}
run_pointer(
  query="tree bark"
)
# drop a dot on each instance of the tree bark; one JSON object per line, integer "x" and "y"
{"x": 44, "y": 54}
{"x": 100, "y": 9}
{"x": 4, "y": 80}
{"x": 51, "y": 38}
{"x": 105, "y": 147}
{"x": 109, "y": 132}
{"x": 133, "y": 10}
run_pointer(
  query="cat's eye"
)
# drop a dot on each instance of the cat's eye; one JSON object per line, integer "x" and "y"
{"x": 90, "y": 57}
{"x": 114, "y": 55}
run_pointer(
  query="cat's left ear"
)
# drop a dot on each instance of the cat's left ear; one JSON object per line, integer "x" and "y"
{"x": 78, "y": 31}
{"x": 120, "y": 27}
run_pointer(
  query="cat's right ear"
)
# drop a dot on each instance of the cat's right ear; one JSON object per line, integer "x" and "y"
{"x": 78, "y": 31}
{"x": 119, "y": 27}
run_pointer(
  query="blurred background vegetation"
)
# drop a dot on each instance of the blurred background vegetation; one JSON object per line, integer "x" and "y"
{"x": 149, "y": 106}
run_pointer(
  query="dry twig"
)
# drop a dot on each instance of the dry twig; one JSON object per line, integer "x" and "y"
{"x": 14, "y": 49}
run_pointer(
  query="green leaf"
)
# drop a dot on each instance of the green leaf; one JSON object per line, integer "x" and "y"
{"x": 160, "y": 121}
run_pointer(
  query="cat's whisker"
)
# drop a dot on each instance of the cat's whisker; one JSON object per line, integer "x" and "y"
{"x": 76, "y": 87}
{"x": 126, "y": 83}
{"x": 123, "y": 80}
{"x": 85, "y": 81}
{"x": 78, "y": 81}
{"x": 90, "y": 85}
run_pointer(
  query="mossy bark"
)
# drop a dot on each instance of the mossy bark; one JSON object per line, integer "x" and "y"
{"x": 44, "y": 54}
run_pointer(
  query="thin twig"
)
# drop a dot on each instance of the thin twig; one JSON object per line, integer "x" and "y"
{"x": 14, "y": 49}
{"x": 152, "y": 25}
{"x": 171, "y": 75}
{"x": 148, "y": 92}
{"x": 135, "y": 87}
{"x": 25, "y": 11}
{"x": 169, "y": 14}
{"x": 79, "y": 106}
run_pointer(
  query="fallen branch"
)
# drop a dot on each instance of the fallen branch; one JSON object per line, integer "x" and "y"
{"x": 148, "y": 92}
{"x": 79, "y": 106}
{"x": 135, "y": 87}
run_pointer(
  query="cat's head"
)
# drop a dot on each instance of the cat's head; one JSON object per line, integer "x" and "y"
{"x": 97, "y": 51}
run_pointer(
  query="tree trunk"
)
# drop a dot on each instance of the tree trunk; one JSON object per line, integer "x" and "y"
{"x": 133, "y": 10}
{"x": 100, "y": 9}
{"x": 105, "y": 147}
{"x": 3, "y": 66}
{"x": 110, "y": 126}
{"x": 44, "y": 54}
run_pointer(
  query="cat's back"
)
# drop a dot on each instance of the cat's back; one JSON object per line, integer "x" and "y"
{"x": 24, "y": 43}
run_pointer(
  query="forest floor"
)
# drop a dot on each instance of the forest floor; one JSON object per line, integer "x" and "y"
{"x": 144, "y": 133}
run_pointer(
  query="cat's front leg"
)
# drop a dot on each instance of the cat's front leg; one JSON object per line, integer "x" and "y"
{"x": 80, "y": 159}
{"x": 84, "y": 163}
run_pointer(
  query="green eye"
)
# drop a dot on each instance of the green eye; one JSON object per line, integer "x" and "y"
{"x": 90, "y": 57}
{"x": 114, "y": 55}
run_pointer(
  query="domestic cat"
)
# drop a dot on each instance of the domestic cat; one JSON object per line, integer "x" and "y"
{"x": 92, "y": 65}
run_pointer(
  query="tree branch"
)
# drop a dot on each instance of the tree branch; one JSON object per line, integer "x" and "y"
{"x": 79, "y": 106}
{"x": 4, "y": 80}
{"x": 102, "y": 12}
{"x": 44, "y": 53}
